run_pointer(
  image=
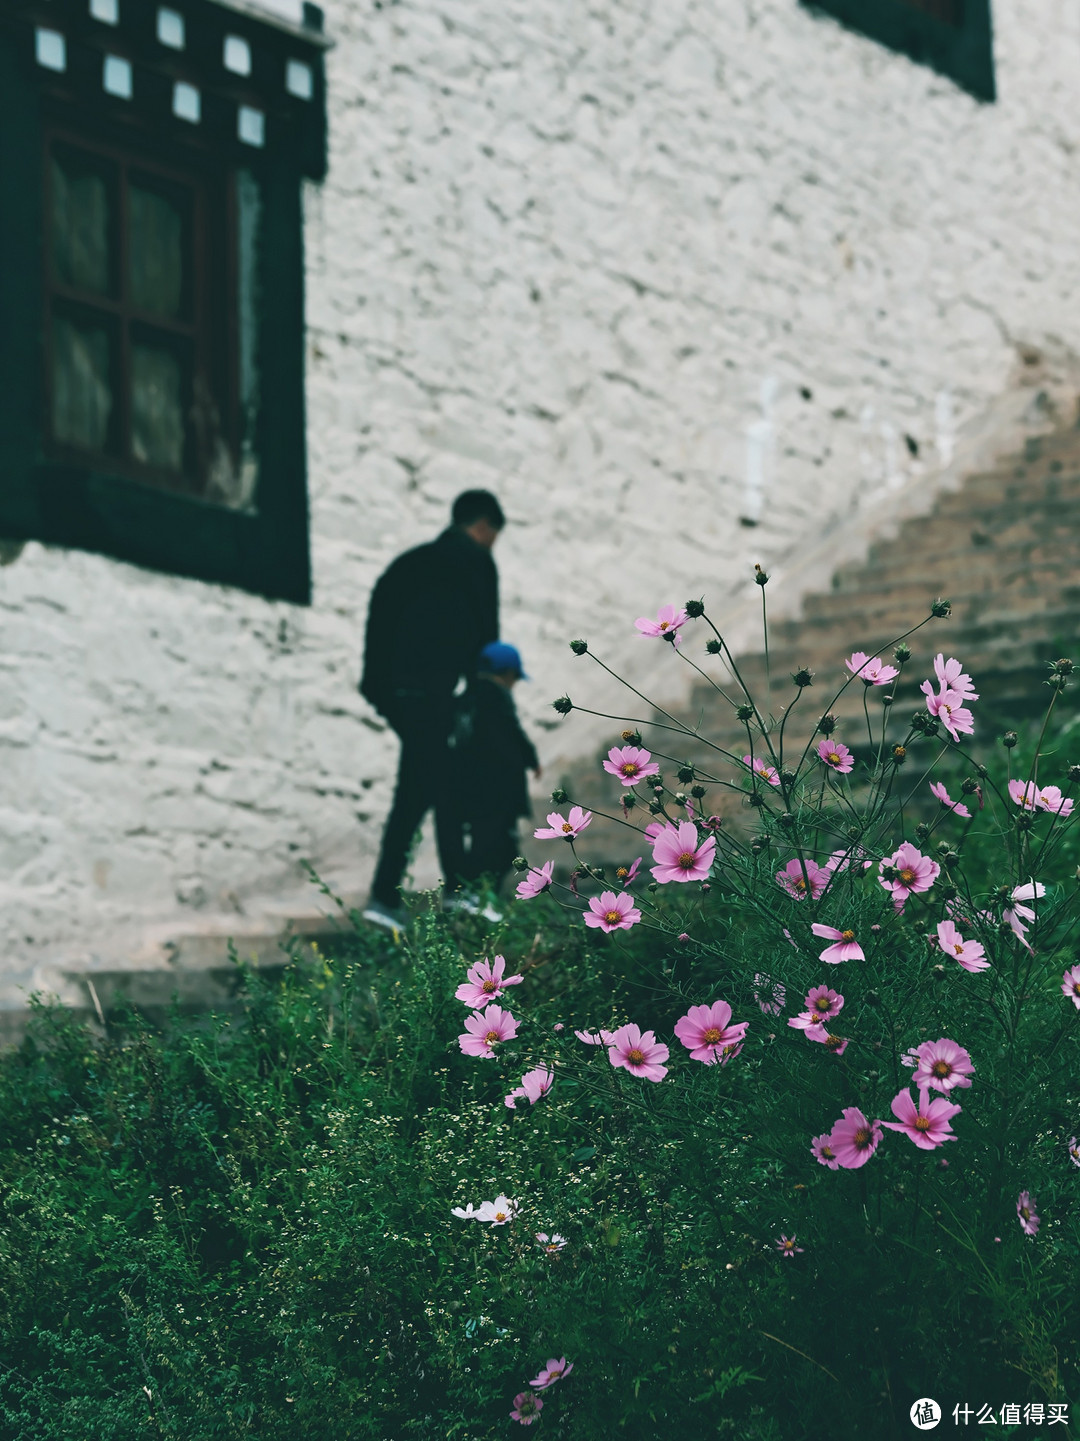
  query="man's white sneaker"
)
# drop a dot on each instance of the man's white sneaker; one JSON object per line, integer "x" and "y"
{"x": 380, "y": 915}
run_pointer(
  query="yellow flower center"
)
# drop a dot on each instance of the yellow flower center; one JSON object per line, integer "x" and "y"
{"x": 907, "y": 875}
{"x": 489, "y": 986}
{"x": 941, "y": 1068}
{"x": 687, "y": 860}
{"x": 800, "y": 884}
{"x": 861, "y": 1137}
{"x": 833, "y": 1043}
{"x": 636, "y": 1057}
{"x": 822, "y": 1003}
{"x": 711, "y": 1036}
{"x": 491, "y": 1037}
{"x": 622, "y": 873}
{"x": 567, "y": 827}
{"x": 500, "y": 1215}
{"x": 664, "y": 625}
{"x": 958, "y": 948}
{"x": 833, "y": 757}
{"x": 613, "y": 917}
{"x": 847, "y": 935}
{"x": 922, "y": 1123}
{"x": 630, "y": 768}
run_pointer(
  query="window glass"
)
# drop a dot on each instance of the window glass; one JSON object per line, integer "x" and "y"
{"x": 249, "y": 223}
{"x": 157, "y": 407}
{"x": 155, "y": 251}
{"x": 81, "y": 224}
{"x": 81, "y": 383}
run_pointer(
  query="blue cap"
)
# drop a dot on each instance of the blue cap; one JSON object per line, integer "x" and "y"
{"x": 497, "y": 656}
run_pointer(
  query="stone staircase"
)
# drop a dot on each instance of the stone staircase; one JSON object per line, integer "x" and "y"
{"x": 1004, "y": 548}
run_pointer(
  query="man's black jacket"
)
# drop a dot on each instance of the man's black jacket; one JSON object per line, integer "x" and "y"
{"x": 491, "y": 753}
{"x": 432, "y": 612}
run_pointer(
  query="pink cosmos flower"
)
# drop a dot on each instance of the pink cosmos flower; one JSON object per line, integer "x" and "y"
{"x": 928, "y": 1124}
{"x": 1032, "y": 797}
{"x": 1074, "y": 1151}
{"x": 870, "y": 672}
{"x": 823, "y": 1002}
{"x": 657, "y": 828}
{"x": 787, "y": 1247}
{"x": 854, "y": 1139}
{"x": 821, "y": 1146}
{"x": 486, "y": 981}
{"x": 776, "y": 991}
{"x": 950, "y": 710}
{"x": 969, "y": 954}
{"x": 559, "y": 829}
{"x": 552, "y": 1244}
{"x": 611, "y": 912}
{"x": 840, "y": 860}
{"x": 763, "y": 769}
{"x": 1025, "y": 1210}
{"x": 846, "y": 948}
{"x": 705, "y": 1033}
{"x": 534, "y": 1084}
{"x": 950, "y": 676}
{"x": 798, "y": 885}
{"x": 836, "y": 1044}
{"x": 639, "y": 1053}
{"x": 595, "y": 1038}
{"x": 669, "y": 619}
{"x": 527, "y": 1408}
{"x": 499, "y": 1212}
{"x": 1018, "y": 913}
{"x": 836, "y": 756}
{"x": 942, "y": 1066}
{"x": 950, "y": 805}
{"x": 555, "y": 1370}
{"x": 1070, "y": 985}
{"x": 538, "y": 879}
{"x": 485, "y": 1030}
{"x": 914, "y": 872}
{"x": 678, "y": 856}
{"x": 626, "y": 877}
{"x": 631, "y": 764}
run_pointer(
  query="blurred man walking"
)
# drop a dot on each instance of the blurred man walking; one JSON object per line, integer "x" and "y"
{"x": 431, "y": 613}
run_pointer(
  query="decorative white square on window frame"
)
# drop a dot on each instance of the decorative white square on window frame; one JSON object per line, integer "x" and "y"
{"x": 237, "y": 55}
{"x": 251, "y": 126}
{"x": 170, "y": 28}
{"x": 116, "y": 77}
{"x": 299, "y": 79}
{"x": 50, "y": 49}
{"x": 187, "y": 102}
{"x": 107, "y": 11}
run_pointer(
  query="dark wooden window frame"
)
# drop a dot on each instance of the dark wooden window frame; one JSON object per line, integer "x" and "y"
{"x": 953, "y": 37}
{"x": 77, "y": 500}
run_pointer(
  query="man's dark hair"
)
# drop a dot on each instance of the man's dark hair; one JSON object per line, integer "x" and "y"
{"x": 474, "y": 505}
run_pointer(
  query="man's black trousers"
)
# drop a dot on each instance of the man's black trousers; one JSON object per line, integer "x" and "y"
{"x": 424, "y": 781}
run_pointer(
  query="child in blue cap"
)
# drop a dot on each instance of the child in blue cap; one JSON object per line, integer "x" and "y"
{"x": 491, "y": 754}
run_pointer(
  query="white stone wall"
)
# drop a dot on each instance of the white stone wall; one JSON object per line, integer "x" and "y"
{"x": 644, "y": 269}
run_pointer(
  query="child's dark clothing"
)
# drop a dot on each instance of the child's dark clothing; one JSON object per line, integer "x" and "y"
{"x": 491, "y": 754}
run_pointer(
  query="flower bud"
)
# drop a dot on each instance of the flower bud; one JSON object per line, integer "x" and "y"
{"x": 655, "y": 807}
{"x": 631, "y": 738}
{"x": 559, "y": 796}
{"x": 938, "y": 972}
{"x": 948, "y": 893}
{"x": 685, "y": 773}
{"x": 899, "y": 755}
{"x": 760, "y": 577}
{"x": 579, "y": 647}
{"x": 520, "y": 863}
{"x": 888, "y": 700}
{"x": 1061, "y": 667}
{"x": 597, "y": 872}
{"x": 744, "y": 712}
{"x": 969, "y": 785}
{"x": 680, "y": 798}
{"x": 759, "y": 844}
{"x": 787, "y": 776}
{"x": 629, "y": 800}
{"x": 671, "y": 636}
{"x": 755, "y": 798}
{"x": 697, "y": 792}
{"x": 713, "y": 646}
{"x": 1074, "y": 773}
{"x": 1057, "y": 681}
{"x": 564, "y": 705}
{"x": 923, "y": 723}
{"x": 922, "y": 833}
{"x": 1009, "y": 740}
{"x": 1024, "y": 821}
{"x": 853, "y": 833}
{"x": 651, "y": 886}
{"x": 694, "y": 608}
{"x": 827, "y": 724}
{"x": 683, "y": 938}
{"x": 902, "y": 654}
{"x": 951, "y": 859}
{"x": 785, "y": 819}
{"x": 804, "y": 676}
{"x": 941, "y": 608}
{"x": 658, "y": 786}
{"x": 705, "y": 888}
{"x": 983, "y": 773}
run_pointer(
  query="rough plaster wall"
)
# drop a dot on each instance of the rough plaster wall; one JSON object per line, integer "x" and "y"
{"x": 588, "y": 255}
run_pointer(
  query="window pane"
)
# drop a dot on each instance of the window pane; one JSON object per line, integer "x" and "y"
{"x": 157, "y": 407}
{"x": 81, "y": 384}
{"x": 156, "y": 247}
{"x": 80, "y": 224}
